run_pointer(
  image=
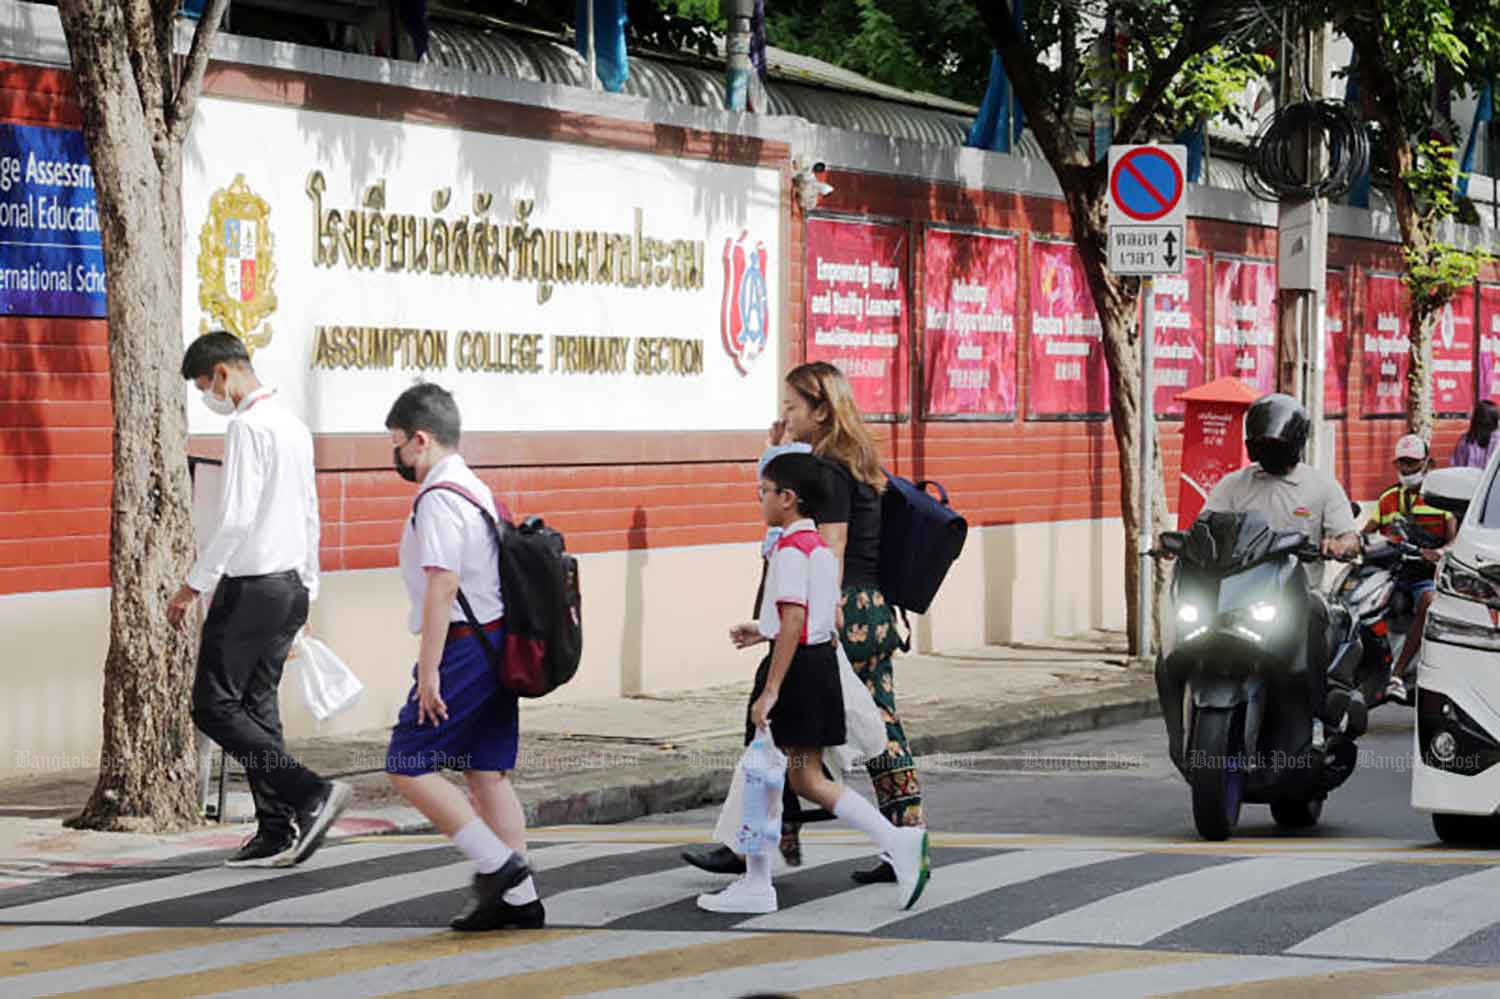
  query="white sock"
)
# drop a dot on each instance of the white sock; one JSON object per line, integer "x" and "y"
{"x": 521, "y": 893}
{"x": 859, "y": 813}
{"x": 758, "y": 868}
{"x": 478, "y": 842}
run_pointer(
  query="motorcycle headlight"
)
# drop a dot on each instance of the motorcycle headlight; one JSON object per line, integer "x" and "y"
{"x": 1263, "y": 613}
{"x": 1188, "y": 614}
{"x": 1458, "y": 580}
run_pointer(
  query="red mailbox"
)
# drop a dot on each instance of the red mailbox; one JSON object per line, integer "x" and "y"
{"x": 1213, "y": 441}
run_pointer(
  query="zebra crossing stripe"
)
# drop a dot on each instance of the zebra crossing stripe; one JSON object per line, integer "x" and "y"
{"x": 1140, "y": 915}
{"x": 329, "y": 962}
{"x": 339, "y": 905}
{"x": 1029, "y": 969}
{"x": 1210, "y": 974}
{"x": 866, "y": 909}
{"x": 92, "y": 904}
{"x": 1362, "y": 983}
{"x": 115, "y": 947}
{"x": 602, "y": 905}
{"x": 22, "y": 937}
{"x": 1415, "y": 926}
{"x": 463, "y": 973}
{"x": 678, "y": 965}
{"x": 225, "y": 948}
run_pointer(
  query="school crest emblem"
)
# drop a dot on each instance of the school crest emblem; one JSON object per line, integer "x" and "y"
{"x": 746, "y": 313}
{"x": 236, "y": 270}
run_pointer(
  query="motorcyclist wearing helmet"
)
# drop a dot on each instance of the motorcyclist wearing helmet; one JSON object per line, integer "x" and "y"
{"x": 1429, "y": 528}
{"x": 1291, "y": 496}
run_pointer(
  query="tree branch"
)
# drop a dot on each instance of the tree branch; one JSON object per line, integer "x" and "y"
{"x": 147, "y": 63}
{"x": 1053, "y": 131}
{"x": 1193, "y": 42}
{"x": 183, "y": 104}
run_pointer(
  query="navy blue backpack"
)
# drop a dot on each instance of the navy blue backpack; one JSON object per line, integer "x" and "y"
{"x": 920, "y": 536}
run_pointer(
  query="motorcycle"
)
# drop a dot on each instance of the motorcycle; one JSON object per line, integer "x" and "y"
{"x": 1368, "y": 591}
{"x": 1259, "y": 683}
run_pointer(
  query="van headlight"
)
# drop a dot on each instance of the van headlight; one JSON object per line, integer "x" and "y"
{"x": 1458, "y": 580}
{"x": 1450, "y": 631}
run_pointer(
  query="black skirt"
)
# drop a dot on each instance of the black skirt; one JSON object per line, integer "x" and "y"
{"x": 809, "y": 711}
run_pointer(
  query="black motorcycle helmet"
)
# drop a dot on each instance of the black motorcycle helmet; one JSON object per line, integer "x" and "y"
{"x": 1276, "y": 432}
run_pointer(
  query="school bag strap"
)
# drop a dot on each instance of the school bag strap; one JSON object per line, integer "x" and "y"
{"x": 494, "y": 526}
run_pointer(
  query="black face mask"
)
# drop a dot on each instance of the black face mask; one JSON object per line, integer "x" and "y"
{"x": 407, "y": 472}
{"x": 1275, "y": 457}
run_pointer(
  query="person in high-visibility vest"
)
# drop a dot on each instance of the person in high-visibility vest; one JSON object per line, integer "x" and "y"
{"x": 1427, "y": 527}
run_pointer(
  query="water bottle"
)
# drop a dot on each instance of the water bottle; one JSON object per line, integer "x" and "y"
{"x": 765, "y": 770}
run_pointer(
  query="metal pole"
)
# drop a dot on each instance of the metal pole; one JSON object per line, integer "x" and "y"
{"x": 1148, "y": 491}
{"x": 593, "y": 45}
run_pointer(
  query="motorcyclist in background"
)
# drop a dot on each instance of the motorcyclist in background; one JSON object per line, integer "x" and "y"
{"x": 1427, "y": 527}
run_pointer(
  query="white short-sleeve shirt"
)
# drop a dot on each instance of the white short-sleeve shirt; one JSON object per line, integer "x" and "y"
{"x": 449, "y": 533}
{"x": 803, "y": 571}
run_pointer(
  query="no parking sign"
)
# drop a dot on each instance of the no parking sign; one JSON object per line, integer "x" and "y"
{"x": 1147, "y": 209}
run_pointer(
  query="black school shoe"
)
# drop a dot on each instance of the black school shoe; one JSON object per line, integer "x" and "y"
{"x": 881, "y": 874}
{"x": 487, "y": 909}
{"x": 262, "y": 850}
{"x": 314, "y": 821}
{"x": 715, "y": 860}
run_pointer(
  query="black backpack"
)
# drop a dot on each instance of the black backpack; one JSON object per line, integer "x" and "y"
{"x": 920, "y": 536}
{"x": 543, "y": 606}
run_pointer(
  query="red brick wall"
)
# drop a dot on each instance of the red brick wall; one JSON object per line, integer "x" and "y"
{"x": 606, "y": 492}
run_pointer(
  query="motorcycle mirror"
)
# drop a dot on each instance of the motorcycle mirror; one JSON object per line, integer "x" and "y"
{"x": 1173, "y": 541}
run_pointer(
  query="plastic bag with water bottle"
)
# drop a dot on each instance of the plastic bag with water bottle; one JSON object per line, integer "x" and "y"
{"x": 764, "y": 769}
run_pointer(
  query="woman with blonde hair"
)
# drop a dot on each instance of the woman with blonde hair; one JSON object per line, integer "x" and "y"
{"x": 818, "y": 408}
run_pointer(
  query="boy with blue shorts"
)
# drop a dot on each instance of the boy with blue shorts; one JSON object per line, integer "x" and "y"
{"x": 458, "y": 716}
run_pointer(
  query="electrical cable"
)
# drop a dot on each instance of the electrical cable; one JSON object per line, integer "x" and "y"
{"x": 1274, "y": 170}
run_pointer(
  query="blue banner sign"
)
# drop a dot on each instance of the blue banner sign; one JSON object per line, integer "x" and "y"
{"x": 51, "y": 253}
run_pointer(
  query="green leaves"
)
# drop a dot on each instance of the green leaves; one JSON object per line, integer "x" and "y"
{"x": 1436, "y": 270}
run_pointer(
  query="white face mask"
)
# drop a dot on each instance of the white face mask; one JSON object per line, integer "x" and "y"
{"x": 1414, "y": 480}
{"x": 223, "y": 407}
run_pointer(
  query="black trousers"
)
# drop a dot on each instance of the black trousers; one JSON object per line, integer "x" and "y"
{"x": 249, "y": 631}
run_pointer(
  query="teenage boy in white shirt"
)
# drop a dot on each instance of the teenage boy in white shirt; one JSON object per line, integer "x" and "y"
{"x": 458, "y": 716}
{"x": 262, "y": 566}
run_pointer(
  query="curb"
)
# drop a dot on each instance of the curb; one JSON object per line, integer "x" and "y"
{"x": 624, "y": 802}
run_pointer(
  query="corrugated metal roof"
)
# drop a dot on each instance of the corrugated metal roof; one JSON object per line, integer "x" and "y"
{"x": 858, "y": 104}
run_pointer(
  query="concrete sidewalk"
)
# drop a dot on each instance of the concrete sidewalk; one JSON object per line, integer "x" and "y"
{"x": 610, "y": 760}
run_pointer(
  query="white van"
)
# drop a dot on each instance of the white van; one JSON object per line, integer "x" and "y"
{"x": 1456, "y": 766}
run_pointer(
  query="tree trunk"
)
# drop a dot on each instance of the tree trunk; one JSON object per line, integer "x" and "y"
{"x": 147, "y": 771}
{"x": 1116, "y": 300}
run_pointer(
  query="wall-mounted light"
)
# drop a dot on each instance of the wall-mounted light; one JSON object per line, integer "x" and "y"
{"x": 807, "y": 183}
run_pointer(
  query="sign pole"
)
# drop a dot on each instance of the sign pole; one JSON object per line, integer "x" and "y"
{"x": 1145, "y": 586}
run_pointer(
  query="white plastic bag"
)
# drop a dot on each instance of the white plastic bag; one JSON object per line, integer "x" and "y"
{"x": 328, "y": 686}
{"x": 762, "y": 771}
{"x": 864, "y": 727}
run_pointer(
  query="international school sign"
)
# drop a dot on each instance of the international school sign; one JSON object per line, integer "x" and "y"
{"x": 550, "y": 286}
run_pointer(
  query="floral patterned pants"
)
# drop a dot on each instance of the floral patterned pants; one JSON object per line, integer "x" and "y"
{"x": 870, "y": 640}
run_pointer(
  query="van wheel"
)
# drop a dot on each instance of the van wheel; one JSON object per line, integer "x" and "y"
{"x": 1214, "y": 774}
{"x": 1466, "y": 830}
{"x": 1292, "y": 814}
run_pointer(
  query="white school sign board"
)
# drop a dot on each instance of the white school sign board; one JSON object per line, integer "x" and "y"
{"x": 550, "y": 286}
{"x": 1147, "y": 209}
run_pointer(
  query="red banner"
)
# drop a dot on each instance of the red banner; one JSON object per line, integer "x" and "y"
{"x": 856, "y": 308}
{"x": 1453, "y": 357}
{"x": 1245, "y": 322}
{"x": 1489, "y": 341}
{"x": 1336, "y": 344}
{"x": 970, "y": 301}
{"x": 1387, "y": 344}
{"x": 1181, "y": 330}
{"x": 1068, "y": 373}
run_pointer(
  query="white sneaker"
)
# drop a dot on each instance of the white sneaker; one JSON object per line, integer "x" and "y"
{"x": 911, "y": 863}
{"x": 743, "y": 896}
{"x": 1396, "y": 690}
